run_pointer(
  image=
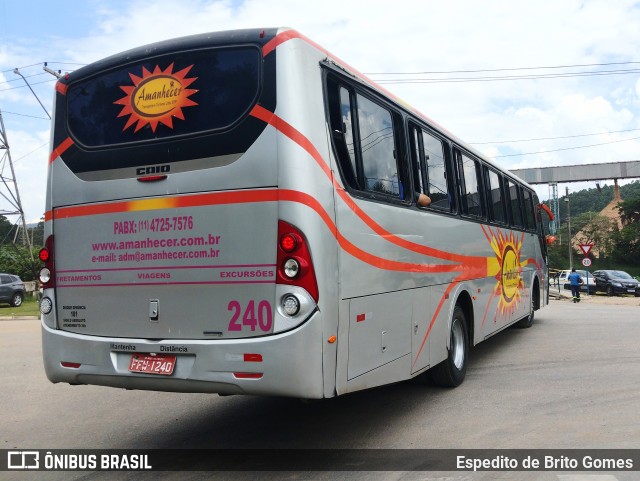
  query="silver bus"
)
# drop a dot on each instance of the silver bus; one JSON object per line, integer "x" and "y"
{"x": 239, "y": 213}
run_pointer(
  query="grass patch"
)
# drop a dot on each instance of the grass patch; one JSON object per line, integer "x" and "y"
{"x": 29, "y": 307}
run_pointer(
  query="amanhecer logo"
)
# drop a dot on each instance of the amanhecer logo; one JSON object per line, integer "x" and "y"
{"x": 156, "y": 97}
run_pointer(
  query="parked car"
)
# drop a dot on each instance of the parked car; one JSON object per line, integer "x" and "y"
{"x": 588, "y": 286}
{"x": 616, "y": 282}
{"x": 11, "y": 289}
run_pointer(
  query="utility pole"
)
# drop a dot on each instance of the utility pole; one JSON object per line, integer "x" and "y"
{"x": 566, "y": 199}
{"x": 9, "y": 188}
{"x": 17, "y": 72}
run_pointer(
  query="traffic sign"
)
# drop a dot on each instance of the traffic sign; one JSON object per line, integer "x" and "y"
{"x": 586, "y": 248}
{"x": 586, "y": 262}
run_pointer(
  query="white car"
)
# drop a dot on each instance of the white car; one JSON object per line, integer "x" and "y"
{"x": 587, "y": 286}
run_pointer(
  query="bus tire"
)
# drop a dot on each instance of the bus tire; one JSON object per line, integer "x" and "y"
{"x": 527, "y": 322}
{"x": 451, "y": 371}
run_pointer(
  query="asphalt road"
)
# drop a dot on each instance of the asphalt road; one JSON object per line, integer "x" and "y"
{"x": 571, "y": 381}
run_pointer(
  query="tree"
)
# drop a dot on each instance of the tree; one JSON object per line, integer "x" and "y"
{"x": 598, "y": 230}
{"x": 627, "y": 242}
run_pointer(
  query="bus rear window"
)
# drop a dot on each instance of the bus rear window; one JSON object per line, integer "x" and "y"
{"x": 177, "y": 94}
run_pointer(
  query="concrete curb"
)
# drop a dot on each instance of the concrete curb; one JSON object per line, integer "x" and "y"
{"x": 19, "y": 318}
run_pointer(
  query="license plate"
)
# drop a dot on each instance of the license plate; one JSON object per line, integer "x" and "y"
{"x": 162, "y": 364}
{"x": 631, "y": 290}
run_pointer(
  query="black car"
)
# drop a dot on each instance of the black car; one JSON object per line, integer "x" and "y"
{"x": 616, "y": 282}
{"x": 11, "y": 289}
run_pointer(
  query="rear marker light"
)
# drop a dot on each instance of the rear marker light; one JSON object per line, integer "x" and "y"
{"x": 290, "y": 305}
{"x": 253, "y": 358}
{"x": 47, "y": 273}
{"x": 247, "y": 375}
{"x": 295, "y": 265}
{"x": 291, "y": 268}
{"x": 46, "y": 305}
{"x": 71, "y": 365}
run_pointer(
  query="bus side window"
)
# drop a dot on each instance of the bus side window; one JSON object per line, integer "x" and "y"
{"x": 530, "y": 217}
{"x": 437, "y": 188}
{"x": 495, "y": 194}
{"x": 417, "y": 161}
{"x": 377, "y": 149}
{"x": 514, "y": 205}
{"x": 469, "y": 186}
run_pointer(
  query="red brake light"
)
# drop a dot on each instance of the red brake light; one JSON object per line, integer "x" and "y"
{"x": 288, "y": 242}
{"x": 46, "y": 256}
{"x": 293, "y": 246}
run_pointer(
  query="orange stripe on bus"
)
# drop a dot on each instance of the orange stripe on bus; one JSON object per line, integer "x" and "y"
{"x": 283, "y": 37}
{"x": 60, "y": 149}
{"x": 355, "y": 251}
{"x": 295, "y": 135}
{"x": 254, "y": 197}
{"x": 197, "y": 200}
{"x": 435, "y": 315}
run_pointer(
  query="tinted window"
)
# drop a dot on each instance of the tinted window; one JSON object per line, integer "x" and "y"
{"x": 347, "y": 130}
{"x": 5, "y": 280}
{"x": 530, "y": 217}
{"x": 471, "y": 202}
{"x": 496, "y": 197}
{"x": 166, "y": 96}
{"x": 377, "y": 148}
{"x": 430, "y": 168}
{"x": 516, "y": 214}
{"x": 436, "y": 172}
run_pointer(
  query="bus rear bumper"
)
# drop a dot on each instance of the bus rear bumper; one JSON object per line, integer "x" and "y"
{"x": 286, "y": 364}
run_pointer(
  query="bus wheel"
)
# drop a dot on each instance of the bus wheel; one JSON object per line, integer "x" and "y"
{"x": 451, "y": 371}
{"x": 527, "y": 322}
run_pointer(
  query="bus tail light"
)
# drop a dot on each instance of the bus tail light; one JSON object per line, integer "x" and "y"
{"x": 47, "y": 275}
{"x": 295, "y": 267}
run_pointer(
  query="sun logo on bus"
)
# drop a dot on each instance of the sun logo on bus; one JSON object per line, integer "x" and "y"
{"x": 507, "y": 269}
{"x": 156, "y": 97}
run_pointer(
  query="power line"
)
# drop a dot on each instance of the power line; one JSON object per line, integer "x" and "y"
{"x": 510, "y": 77}
{"x": 25, "y": 66}
{"x": 24, "y": 86}
{"x": 34, "y": 150}
{"x": 24, "y": 115}
{"x": 503, "y": 69}
{"x": 550, "y": 138}
{"x": 26, "y": 76}
{"x": 566, "y": 148}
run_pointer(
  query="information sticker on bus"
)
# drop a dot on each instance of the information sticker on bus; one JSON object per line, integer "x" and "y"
{"x": 162, "y": 364}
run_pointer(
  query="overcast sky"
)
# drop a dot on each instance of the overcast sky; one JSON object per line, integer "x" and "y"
{"x": 390, "y": 41}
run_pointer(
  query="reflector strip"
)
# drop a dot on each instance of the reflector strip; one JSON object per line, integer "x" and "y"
{"x": 71, "y": 365}
{"x": 151, "y": 178}
{"x": 247, "y": 375}
{"x": 253, "y": 358}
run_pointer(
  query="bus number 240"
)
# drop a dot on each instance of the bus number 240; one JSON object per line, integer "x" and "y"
{"x": 252, "y": 317}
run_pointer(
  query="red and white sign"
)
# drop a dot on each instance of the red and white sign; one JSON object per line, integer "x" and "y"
{"x": 586, "y": 248}
{"x": 586, "y": 262}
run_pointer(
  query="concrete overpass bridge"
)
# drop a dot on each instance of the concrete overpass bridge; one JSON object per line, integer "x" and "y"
{"x": 578, "y": 173}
